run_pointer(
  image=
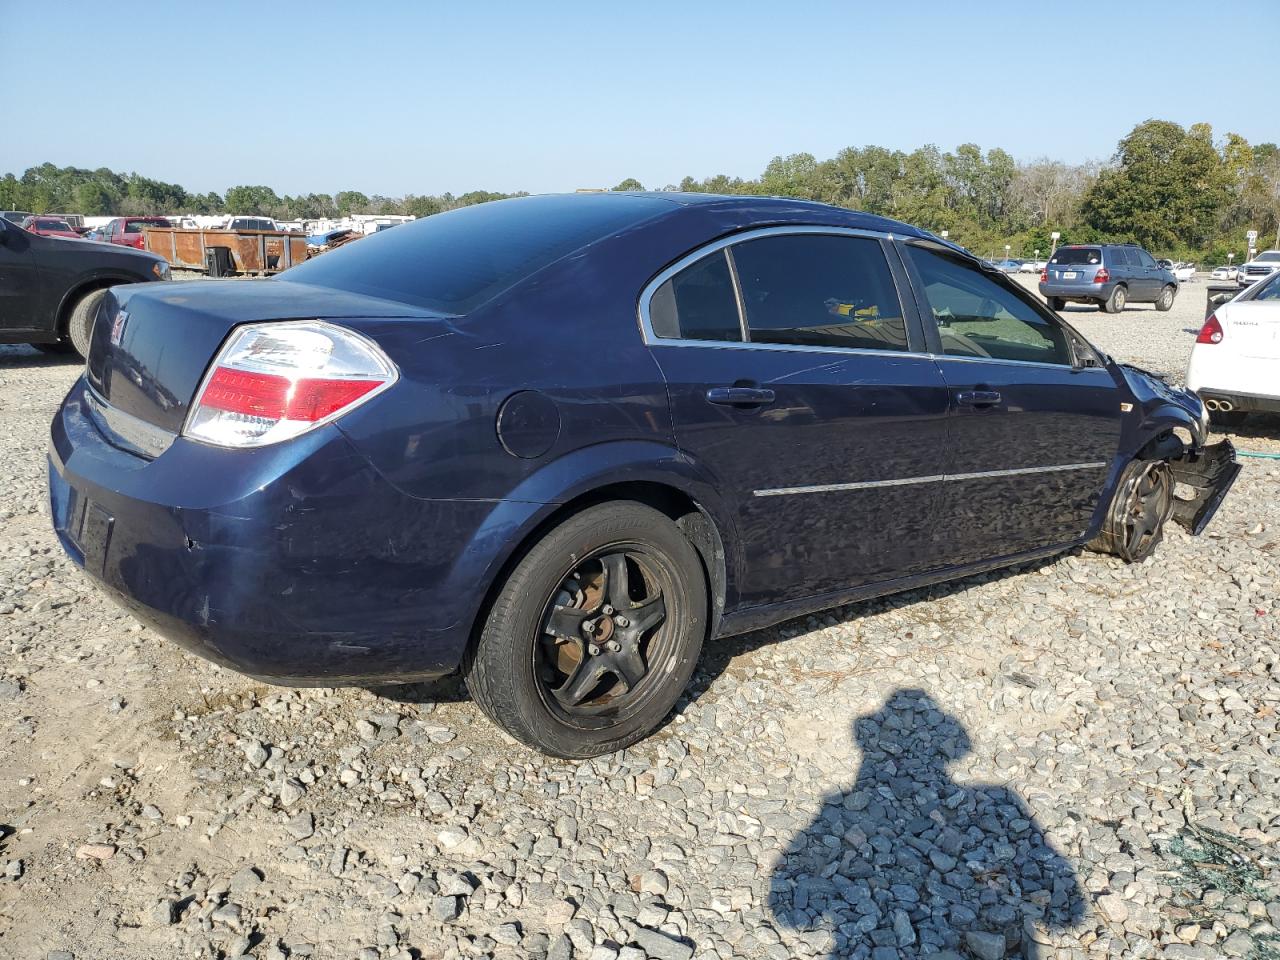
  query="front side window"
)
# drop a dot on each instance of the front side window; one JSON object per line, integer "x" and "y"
{"x": 977, "y": 317}
{"x": 819, "y": 290}
{"x": 698, "y": 303}
{"x": 1144, "y": 258}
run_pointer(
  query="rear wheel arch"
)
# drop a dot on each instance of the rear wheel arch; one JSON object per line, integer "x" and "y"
{"x": 692, "y": 518}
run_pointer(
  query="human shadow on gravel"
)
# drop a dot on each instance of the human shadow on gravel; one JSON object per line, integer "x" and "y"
{"x": 910, "y": 863}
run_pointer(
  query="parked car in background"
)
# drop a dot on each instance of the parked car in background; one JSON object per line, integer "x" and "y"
{"x": 1182, "y": 272}
{"x": 433, "y": 471}
{"x": 50, "y": 227}
{"x": 1262, "y": 265}
{"x": 1227, "y": 272}
{"x": 15, "y": 216}
{"x": 252, "y": 223}
{"x": 98, "y": 233}
{"x": 1032, "y": 266}
{"x": 1235, "y": 363}
{"x": 50, "y": 287}
{"x": 1008, "y": 266}
{"x": 1107, "y": 274}
{"x": 128, "y": 231}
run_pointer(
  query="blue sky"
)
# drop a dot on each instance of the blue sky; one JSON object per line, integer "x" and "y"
{"x": 421, "y": 97}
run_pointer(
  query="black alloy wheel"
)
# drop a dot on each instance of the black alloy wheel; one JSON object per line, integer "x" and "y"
{"x": 595, "y": 633}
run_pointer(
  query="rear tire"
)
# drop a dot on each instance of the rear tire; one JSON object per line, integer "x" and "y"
{"x": 80, "y": 323}
{"x": 1056, "y": 303}
{"x": 537, "y": 683}
{"x": 1165, "y": 301}
{"x": 1115, "y": 303}
{"x": 1142, "y": 504}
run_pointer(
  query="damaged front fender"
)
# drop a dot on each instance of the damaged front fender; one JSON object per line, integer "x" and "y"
{"x": 1209, "y": 472}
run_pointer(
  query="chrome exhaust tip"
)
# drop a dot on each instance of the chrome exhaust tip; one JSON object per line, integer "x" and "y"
{"x": 1211, "y": 405}
{"x": 1226, "y": 406}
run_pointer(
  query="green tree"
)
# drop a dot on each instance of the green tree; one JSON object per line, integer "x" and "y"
{"x": 351, "y": 201}
{"x": 631, "y": 183}
{"x": 1167, "y": 188}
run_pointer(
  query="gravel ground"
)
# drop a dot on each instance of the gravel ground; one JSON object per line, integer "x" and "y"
{"x": 1076, "y": 758}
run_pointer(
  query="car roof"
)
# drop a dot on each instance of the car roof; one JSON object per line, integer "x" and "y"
{"x": 766, "y": 208}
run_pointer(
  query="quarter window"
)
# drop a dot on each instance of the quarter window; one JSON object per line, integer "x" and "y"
{"x": 977, "y": 317}
{"x": 698, "y": 303}
{"x": 819, "y": 290}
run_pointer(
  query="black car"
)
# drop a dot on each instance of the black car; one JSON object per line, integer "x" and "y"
{"x": 50, "y": 287}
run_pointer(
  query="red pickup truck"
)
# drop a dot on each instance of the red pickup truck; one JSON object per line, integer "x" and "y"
{"x": 127, "y": 231}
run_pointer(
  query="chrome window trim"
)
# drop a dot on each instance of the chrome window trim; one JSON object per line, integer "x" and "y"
{"x": 935, "y": 478}
{"x": 646, "y": 295}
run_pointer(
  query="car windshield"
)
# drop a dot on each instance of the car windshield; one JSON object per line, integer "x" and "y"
{"x": 453, "y": 262}
{"x": 1270, "y": 289}
{"x": 1271, "y": 256}
{"x": 1073, "y": 256}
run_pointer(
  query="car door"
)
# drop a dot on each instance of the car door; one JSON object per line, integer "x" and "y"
{"x": 19, "y": 279}
{"x": 1034, "y": 418}
{"x": 795, "y": 383}
{"x": 1154, "y": 273}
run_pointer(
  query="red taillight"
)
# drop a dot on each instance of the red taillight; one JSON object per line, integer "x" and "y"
{"x": 1101, "y": 276}
{"x": 1211, "y": 332}
{"x": 278, "y": 398}
{"x": 274, "y": 381}
{"x": 1044, "y": 275}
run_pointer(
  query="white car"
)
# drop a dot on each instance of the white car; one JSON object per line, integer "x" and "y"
{"x": 1032, "y": 266}
{"x": 1263, "y": 265}
{"x": 1185, "y": 272}
{"x": 1224, "y": 273}
{"x": 1235, "y": 363}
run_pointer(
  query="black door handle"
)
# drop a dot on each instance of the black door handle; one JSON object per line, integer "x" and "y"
{"x": 978, "y": 398}
{"x": 740, "y": 396}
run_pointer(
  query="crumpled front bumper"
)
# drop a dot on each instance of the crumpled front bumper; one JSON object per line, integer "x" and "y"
{"x": 1209, "y": 472}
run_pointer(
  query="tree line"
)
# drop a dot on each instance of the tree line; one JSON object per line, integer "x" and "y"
{"x": 1175, "y": 190}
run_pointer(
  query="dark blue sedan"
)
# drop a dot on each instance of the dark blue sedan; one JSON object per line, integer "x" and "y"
{"x": 557, "y": 442}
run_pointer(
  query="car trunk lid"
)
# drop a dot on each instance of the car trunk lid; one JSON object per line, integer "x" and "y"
{"x": 152, "y": 343}
{"x": 1252, "y": 327}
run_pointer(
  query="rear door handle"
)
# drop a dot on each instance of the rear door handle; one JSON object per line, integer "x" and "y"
{"x": 978, "y": 398}
{"x": 740, "y": 396}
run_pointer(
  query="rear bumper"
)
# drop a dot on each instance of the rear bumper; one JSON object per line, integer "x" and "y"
{"x": 1076, "y": 291}
{"x": 297, "y": 564}
{"x": 1244, "y": 402}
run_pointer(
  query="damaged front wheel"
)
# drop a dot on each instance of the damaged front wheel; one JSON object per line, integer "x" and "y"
{"x": 1143, "y": 503}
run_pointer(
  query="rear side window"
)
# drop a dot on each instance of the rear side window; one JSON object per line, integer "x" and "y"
{"x": 1270, "y": 289}
{"x": 1120, "y": 257}
{"x": 453, "y": 262}
{"x": 1077, "y": 256}
{"x": 976, "y": 317}
{"x": 698, "y": 303}
{"x": 820, "y": 291}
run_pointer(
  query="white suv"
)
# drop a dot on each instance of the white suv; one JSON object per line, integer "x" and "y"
{"x": 1264, "y": 264}
{"x": 1235, "y": 363}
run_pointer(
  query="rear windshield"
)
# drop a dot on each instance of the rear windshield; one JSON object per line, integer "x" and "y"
{"x": 1073, "y": 256}
{"x": 453, "y": 262}
{"x": 53, "y": 225}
